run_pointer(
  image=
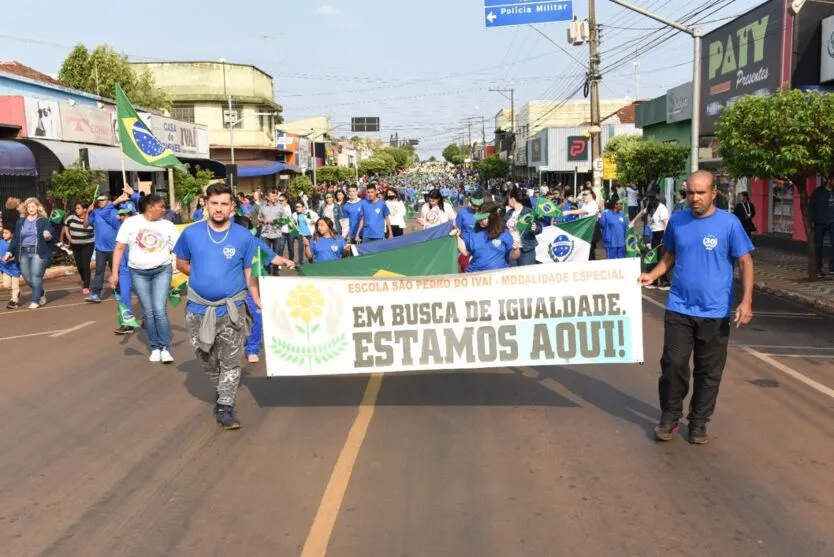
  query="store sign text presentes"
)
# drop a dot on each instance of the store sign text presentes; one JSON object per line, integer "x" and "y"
{"x": 743, "y": 48}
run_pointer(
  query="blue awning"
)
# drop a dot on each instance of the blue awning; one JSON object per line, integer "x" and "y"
{"x": 248, "y": 169}
{"x": 16, "y": 159}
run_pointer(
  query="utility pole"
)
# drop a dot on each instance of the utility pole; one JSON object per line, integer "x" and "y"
{"x": 593, "y": 83}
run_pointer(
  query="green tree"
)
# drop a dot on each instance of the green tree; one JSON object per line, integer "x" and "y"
{"x": 187, "y": 186}
{"x": 492, "y": 167}
{"x": 327, "y": 174}
{"x": 788, "y": 136}
{"x": 402, "y": 156}
{"x": 432, "y": 159}
{"x": 75, "y": 183}
{"x": 301, "y": 184}
{"x": 453, "y": 154}
{"x": 373, "y": 166}
{"x": 390, "y": 162}
{"x": 646, "y": 162}
{"x": 98, "y": 71}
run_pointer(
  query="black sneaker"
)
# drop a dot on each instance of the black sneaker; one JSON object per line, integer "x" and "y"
{"x": 697, "y": 434}
{"x": 226, "y": 417}
{"x": 124, "y": 330}
{"x": 12, "y": 304}
{"x": 666, "y": 430}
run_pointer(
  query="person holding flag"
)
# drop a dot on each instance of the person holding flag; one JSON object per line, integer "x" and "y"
{"x": 614, "y": 226}
{"x": 150, "y": 239}
{"x": 102, "y": 217}
{"x": 526, "y": 233}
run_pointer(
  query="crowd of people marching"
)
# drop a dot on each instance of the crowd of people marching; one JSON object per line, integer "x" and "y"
{"x": 143, "y": 243}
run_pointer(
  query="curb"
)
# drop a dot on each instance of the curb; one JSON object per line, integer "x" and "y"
{"x": 820, "y": 305}
{"x": 59, "y": 271}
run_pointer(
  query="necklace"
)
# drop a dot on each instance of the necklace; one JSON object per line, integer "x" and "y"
{"x": 223, "y": 239}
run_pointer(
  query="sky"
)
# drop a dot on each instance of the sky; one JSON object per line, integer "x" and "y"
{"x": 421, "y": 67}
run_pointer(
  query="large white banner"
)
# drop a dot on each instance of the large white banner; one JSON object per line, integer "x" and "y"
{"x": 566, "y": 314}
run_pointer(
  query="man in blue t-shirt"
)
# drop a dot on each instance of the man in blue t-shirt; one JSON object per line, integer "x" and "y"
{"x": 702, "y": 244}
{"x": 352, "y": 210}
{"x": 217, "y": 256}
{"x": 374, "y": 223}
{"x": 614, "y": 225}
{"x": 105, "y": 222}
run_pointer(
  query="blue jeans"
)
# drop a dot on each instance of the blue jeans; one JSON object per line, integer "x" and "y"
{"x": 253, "y": 341}
{"x": 152, "y": 287}
{"x": 32, "y": 266}
{"x": 820, "y": 231}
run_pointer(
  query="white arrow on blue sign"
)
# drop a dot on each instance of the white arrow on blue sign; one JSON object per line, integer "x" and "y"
{"x": 501, "y": 13}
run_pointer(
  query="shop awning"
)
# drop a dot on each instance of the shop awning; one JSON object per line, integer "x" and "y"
{"x": 248, "y": 169}
{"x": 16, "y": 159}
{"x": 102, "y": 158}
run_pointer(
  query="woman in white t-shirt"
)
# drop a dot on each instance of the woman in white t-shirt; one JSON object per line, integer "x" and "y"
{"x": 397, "y": 209}
{"x": 657, "y": 217}
{"x": 149, "y": 240}
{"x": 435, "y": 211}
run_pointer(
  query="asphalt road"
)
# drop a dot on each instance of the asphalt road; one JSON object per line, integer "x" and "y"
{"x": 102, "y": 453}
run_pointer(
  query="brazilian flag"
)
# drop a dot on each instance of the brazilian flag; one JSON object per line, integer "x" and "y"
{"x": 548, "y": 209}
{"x": 137, "y": 141}
{"x": 259, "y": 263}
{"x": 525, "y": 222}
{"x": 126, "y": 317}
{"x": 652, "y": 256}
{"x": 56, "y": 216}
{"x": 632, "y": 243}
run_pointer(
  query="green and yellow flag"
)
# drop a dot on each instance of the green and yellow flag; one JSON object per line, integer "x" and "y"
{"x": 137, "y": 141}
{"x": 632, "y": 243}
{"x": 57, "y": 216}
{"x": 126, "y": 317}
{"x": 548, "y": 209}
{"x": 259, "y": 263}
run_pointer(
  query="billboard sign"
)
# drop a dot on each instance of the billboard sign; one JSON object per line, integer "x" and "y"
{"x": 43, "y": 119}
{"x": 87, "y": 125}
{"x": 679, "y": 103}
{"x": 364, "y": 124}
{"x": 743, "y": 57}
{"x": 577, "y": 148}
{"x": 182, "y": 138}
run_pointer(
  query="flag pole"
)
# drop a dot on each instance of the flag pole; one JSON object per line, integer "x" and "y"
{"x": 124, "y": 173}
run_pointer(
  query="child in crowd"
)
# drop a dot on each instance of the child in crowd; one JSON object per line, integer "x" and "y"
{"x": 10, "y": 270}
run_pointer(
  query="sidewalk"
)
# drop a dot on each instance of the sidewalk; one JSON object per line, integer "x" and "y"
{"x": 785, "y": 274}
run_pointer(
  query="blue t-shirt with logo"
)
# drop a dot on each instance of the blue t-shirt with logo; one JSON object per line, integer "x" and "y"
{"x": 465, "y": 221}
{"x": 705, "y": 251}
{"x": 327, "y": 249}
{"x": 613, "y": 227}
{"x": 217, "y": 261}
{"x": 353, "y": 213}
{"x": 488, "y": 255}
{"x": 374, "y": 215}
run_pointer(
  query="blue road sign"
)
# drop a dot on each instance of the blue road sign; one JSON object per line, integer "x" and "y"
{"x": 501, "y": 13}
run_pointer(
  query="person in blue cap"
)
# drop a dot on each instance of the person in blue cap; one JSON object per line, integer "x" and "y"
{"x": 124, "y": 290}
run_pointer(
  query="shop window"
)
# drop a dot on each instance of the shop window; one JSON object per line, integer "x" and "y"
{"x": 782, "y": 218}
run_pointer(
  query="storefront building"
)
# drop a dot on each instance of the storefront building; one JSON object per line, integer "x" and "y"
{"x": 563, "y": 155}
{"x": 779, "y": 49}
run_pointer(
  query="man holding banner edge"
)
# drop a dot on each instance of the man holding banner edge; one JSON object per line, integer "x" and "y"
{"x": 702, "y": 246}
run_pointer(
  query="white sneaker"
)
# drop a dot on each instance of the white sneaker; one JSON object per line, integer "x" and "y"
{"x": 42, "y": 301}
{"x": 34, "y": 305}
{"x": 156, "y": 356}
{"x": 166, "y": 356}
{"x": 253, "y": 358}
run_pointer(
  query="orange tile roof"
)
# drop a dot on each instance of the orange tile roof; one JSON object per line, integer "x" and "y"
{"x": 17, "y": 68}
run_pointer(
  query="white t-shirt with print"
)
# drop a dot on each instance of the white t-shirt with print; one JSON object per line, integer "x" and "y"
{"x": 656, "y": 220}
{"x": 150, "y": 242}
{"x": 433, "y": 216}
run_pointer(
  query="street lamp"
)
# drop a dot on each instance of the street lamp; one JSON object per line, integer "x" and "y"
{"x": 695, "y": 33}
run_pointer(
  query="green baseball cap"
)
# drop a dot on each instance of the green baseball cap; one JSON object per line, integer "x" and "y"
{"x": 103, "y": 197}
{"x": 477, "y": 199}
{"x": 125, "y": 211}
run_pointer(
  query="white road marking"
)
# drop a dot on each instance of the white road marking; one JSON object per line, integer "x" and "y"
{"x": 71, "y": 329}
{"x": 798, "y": 356}
{"x": 53, "y": 334}
{"x": 783, "y": 347}
{"x": 787, "y": 370}
{"x": 654, "y": 302}
{"x": 787, "y": 314}
{"x": 44, "y": 308}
